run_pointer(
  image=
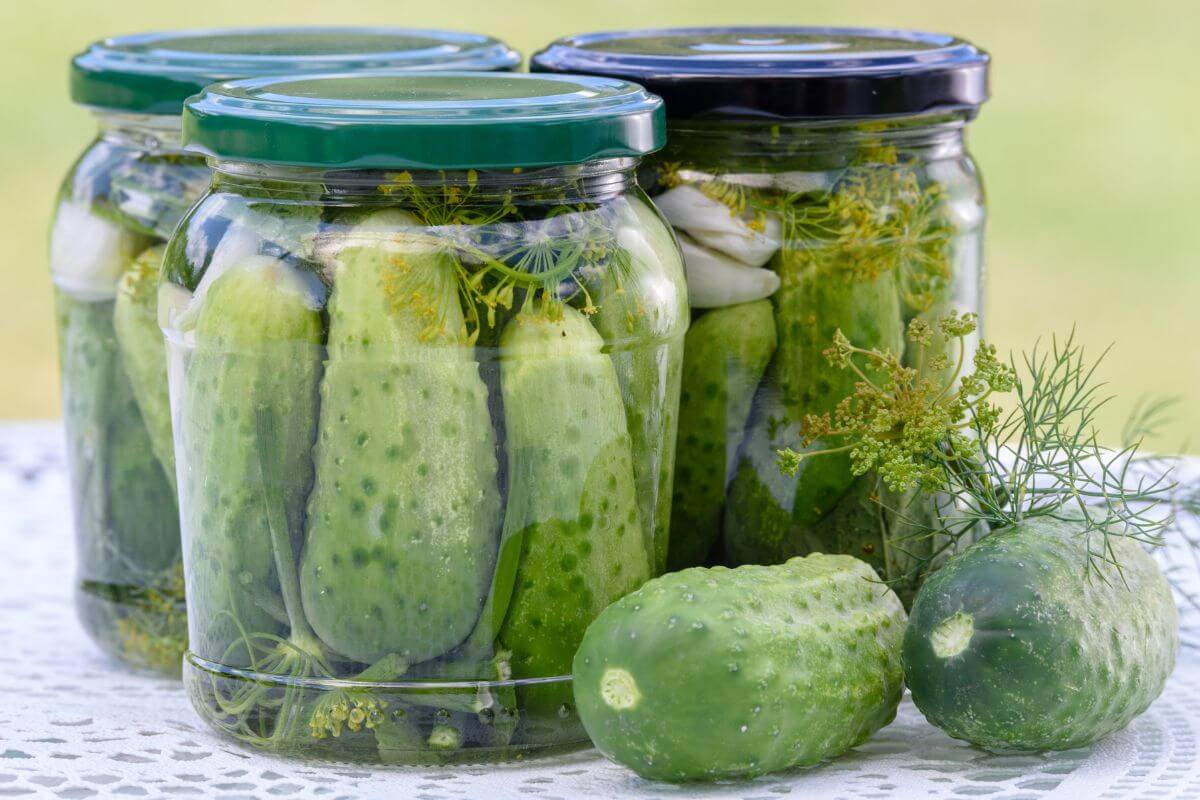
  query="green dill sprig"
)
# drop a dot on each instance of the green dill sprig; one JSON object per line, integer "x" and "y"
{"x": 907, "y": 426}
{"x": 877, "y": 213}
{"x": 1042, "y": 457}
{"x": 499, "y": 251}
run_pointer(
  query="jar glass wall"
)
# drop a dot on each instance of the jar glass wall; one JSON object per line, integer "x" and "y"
{"x": 821, "y": 192}
{"x": 424, "y": 421}
{"x": 115, "y": 211}
{"x": 117, "y": 207}
{"x": 791, "y": 233}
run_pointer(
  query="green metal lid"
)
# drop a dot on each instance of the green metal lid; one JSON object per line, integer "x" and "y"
{"x": 153, "y": 73}
{"x": 424, "y": 120}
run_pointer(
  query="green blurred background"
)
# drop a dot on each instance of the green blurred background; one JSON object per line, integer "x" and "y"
{"x": 1088, "y": 150}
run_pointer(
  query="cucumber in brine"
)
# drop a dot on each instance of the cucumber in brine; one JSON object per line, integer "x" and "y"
{"x": 726, "y": 352}
{"x": 247, "y": 422}
{"x": 405, "y": 510}
{"x": 644, "y": 340}
{"x": 135, "y": 318}
{"x": 126, "y": 517}
{"x": 572, "y": 500}
{"x": 820, "y": 295}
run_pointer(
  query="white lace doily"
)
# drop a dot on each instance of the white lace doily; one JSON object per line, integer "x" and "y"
{"x": 74, "y": 726}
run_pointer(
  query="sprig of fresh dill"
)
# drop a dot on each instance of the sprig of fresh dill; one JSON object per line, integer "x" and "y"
{"x": 500, "y": 248}
{"x": 1042, "y": 457}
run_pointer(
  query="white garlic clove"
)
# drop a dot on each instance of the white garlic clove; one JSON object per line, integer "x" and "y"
{"x": 711, "y": 223}
{"x": 715, "y": 280}
{"x": 800, "y": 181}
{"x": 88, "y": 253}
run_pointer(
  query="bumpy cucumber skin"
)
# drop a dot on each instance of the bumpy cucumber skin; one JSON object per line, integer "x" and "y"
{"x": 135, "y": 318}
{"x": 127, "y": 523}
{"x": 1054, "y": 660}
{"x": 764, "y": 523}
{"x": 572, "y": 496}
{"x": 743, "y": 672}
{"x": 726, "y": 352}
{"x": 815, "y": 300}
{"x": 405, "y": 511}
{"x": 645, "y": 338}
{"x": 256, "y": 362}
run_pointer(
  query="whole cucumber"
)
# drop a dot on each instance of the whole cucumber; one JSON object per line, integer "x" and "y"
{"x": 572, "y": 502}
{"x": 645, "y": 342}
{"x": 820, "y": 295}
{"x": 247, "y": 420}
{"x": 718, "y": 673}
{"x": 1013, "y": 645}
{"x": 726, "y": 352}
{"x": 127, "y": 523}
{"x": 405, "y": 510}
{"x": 135, "y": 319}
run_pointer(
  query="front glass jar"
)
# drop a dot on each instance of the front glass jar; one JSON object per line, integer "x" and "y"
{"x": 818, "y": 182}
{"x": 116, "y": 209}
{"x": 424, "y": 405}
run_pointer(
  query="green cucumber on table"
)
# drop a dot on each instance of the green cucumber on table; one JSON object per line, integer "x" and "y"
{"x": 718, "y": 673}
{"x": 1016, "y": 645}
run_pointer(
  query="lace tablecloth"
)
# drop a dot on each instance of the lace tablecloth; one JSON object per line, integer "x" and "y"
{"x": 74, "y": 726}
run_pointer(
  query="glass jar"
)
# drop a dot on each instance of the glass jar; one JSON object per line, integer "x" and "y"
{"x": 424, "y": 373}
{"x": 116, "y": 209}
{"x": 818, "y": 182}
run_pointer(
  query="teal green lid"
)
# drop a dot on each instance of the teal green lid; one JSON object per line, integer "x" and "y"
{"x": 153, "y": 73}
{"x": 424, "y": 120}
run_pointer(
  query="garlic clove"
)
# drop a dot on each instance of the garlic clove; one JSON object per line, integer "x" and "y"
{"x": 88, "y": 252}
{"x": 715, "y": 280}
{"x": 711, "y": 223}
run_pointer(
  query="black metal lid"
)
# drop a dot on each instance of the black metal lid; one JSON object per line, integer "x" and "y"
{"x": 783, "y": 72}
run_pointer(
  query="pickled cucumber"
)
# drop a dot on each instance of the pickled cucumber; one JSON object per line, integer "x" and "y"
{"x": 818, "y": 297}
{"x": 135, "y": 317}
{"x": 644, "y": 342}
{"x": 255, "y": 364}
{"x": 572, "y": 501}
{"x": 717, "y": 673}
{"x": 126, "y": 517}
{"x": 725, "y": 354}
{"x": 405, "y": 510}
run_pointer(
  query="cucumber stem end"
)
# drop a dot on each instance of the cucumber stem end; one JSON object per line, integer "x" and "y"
{"x": 952, "y": 635}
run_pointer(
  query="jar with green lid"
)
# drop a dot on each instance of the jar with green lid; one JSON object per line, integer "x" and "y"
{"x": 818, "y": 182}
{"x": 116, "y": 209}
{"x": 424, "y": 335}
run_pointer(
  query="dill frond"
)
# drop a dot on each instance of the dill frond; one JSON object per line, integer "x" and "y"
{"x": 1043, "y": 457}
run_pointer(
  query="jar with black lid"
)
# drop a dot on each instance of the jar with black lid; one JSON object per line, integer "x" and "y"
{"x": 818, "y": 181}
